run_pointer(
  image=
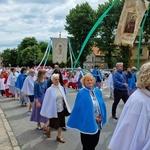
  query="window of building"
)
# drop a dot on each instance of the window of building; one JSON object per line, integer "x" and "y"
{"x": 141, "y": 51}
{"x": 102, "y": 59}
{"x": 92, "y": 58}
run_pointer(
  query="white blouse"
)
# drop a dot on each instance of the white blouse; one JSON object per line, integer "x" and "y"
{"x": 59, "y": 101}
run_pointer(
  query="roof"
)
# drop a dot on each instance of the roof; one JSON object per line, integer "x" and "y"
{"x": 97, "y": 51}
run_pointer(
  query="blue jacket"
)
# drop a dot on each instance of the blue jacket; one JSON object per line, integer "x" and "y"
{"x": 132, "y": 81}
{"x": 119, "y": 79}
{"x": 39, "y": 88}
{"x": 82, "y": 116}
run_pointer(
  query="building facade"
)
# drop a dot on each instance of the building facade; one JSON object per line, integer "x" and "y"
{"x": 97, "y": 57}
{"x": 144, "y": 54}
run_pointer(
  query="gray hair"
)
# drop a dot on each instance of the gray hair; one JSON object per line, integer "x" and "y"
{"x": 54, "y": 76}
{"x": 119, "y": 64}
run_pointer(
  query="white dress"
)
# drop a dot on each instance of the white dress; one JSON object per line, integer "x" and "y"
{"x": 2, "y": 85}
{"x": 133, "y": 129}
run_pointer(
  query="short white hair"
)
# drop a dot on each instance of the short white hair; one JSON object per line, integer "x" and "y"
{"x": 119, "y": 64}
{"x": 54, "y": 76}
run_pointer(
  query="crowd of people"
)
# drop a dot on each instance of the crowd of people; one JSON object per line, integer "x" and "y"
{"x": 44, "y": 91}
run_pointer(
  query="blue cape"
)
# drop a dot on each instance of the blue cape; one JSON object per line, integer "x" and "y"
{"x": 94, "y": 73}
{"x": 82, "y": 116}
{"x": 20, "y": 81}
{"x": 132, "y": 81}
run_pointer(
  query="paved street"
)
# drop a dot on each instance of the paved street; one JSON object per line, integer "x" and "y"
{"x": 29, "y": 138}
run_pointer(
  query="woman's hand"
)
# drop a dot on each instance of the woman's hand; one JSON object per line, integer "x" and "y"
{"x": 38, "y": 105}
{"x": 98, "y": 119}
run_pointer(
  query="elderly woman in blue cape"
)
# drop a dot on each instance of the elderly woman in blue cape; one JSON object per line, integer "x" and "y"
{"x": 53, "y": 107}
{"x": 89, "y": 113}
{"x": 133, "y": 129}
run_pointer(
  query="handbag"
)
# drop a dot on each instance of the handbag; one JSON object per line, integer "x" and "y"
{"x": 66, "y": 113}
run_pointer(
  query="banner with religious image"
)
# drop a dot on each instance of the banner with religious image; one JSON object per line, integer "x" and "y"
{"x": 59, "y": 50}
{"x": 130, "y": 21}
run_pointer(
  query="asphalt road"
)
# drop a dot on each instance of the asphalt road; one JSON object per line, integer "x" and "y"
{"x": 30, "y": 138}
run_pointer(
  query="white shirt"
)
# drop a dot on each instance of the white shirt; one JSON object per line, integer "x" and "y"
{"x": 59, "y": 101}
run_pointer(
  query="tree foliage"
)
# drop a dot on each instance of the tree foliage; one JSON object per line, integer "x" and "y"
{"x": 9, "y": 57}
{"x": 146, "y": 34}
{"x": 106, "y": 30}
{"x": 28, "y": 53}
{"x": 78, "y": 24}
{"x": 43, "y": 46}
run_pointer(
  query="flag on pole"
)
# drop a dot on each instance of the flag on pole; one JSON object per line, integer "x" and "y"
{"x": 130, "y": 21}
{"x": 59, "y": 49}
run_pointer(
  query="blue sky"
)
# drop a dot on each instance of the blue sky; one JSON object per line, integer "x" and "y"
{"x": 35, "y": 18}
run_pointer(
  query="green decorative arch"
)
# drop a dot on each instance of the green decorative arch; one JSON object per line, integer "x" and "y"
{"x": 92, "y": 30}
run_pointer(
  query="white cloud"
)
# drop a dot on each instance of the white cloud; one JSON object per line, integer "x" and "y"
{"x": 35, "y": 18}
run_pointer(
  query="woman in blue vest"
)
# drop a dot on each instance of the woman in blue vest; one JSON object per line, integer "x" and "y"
{"x": 89, "y": 113}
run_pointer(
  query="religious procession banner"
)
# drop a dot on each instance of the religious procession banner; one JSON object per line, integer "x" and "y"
{"x": 130, "y": 21}
{"x": 59, "y": 49}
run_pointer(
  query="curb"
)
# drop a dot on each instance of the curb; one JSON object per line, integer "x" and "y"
{"x": 11, "y": 135}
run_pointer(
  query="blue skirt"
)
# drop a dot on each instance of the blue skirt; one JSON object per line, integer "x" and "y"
{"x": 35, "y": 116}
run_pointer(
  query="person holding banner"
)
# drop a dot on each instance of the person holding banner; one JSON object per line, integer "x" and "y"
{"x": 133, "y": 129}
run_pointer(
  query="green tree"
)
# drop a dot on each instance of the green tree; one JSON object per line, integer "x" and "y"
{"x": 146, "y": 34}
{"x": 124, "y": 55}
{"x": 106, "y": 31}
{"x": 9, "y": 57}
{"x": 30, "y": 55}
{"x": 25, "y": 43}
{"x": 79, "y": 22}
{"x": 43, "y": 46}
